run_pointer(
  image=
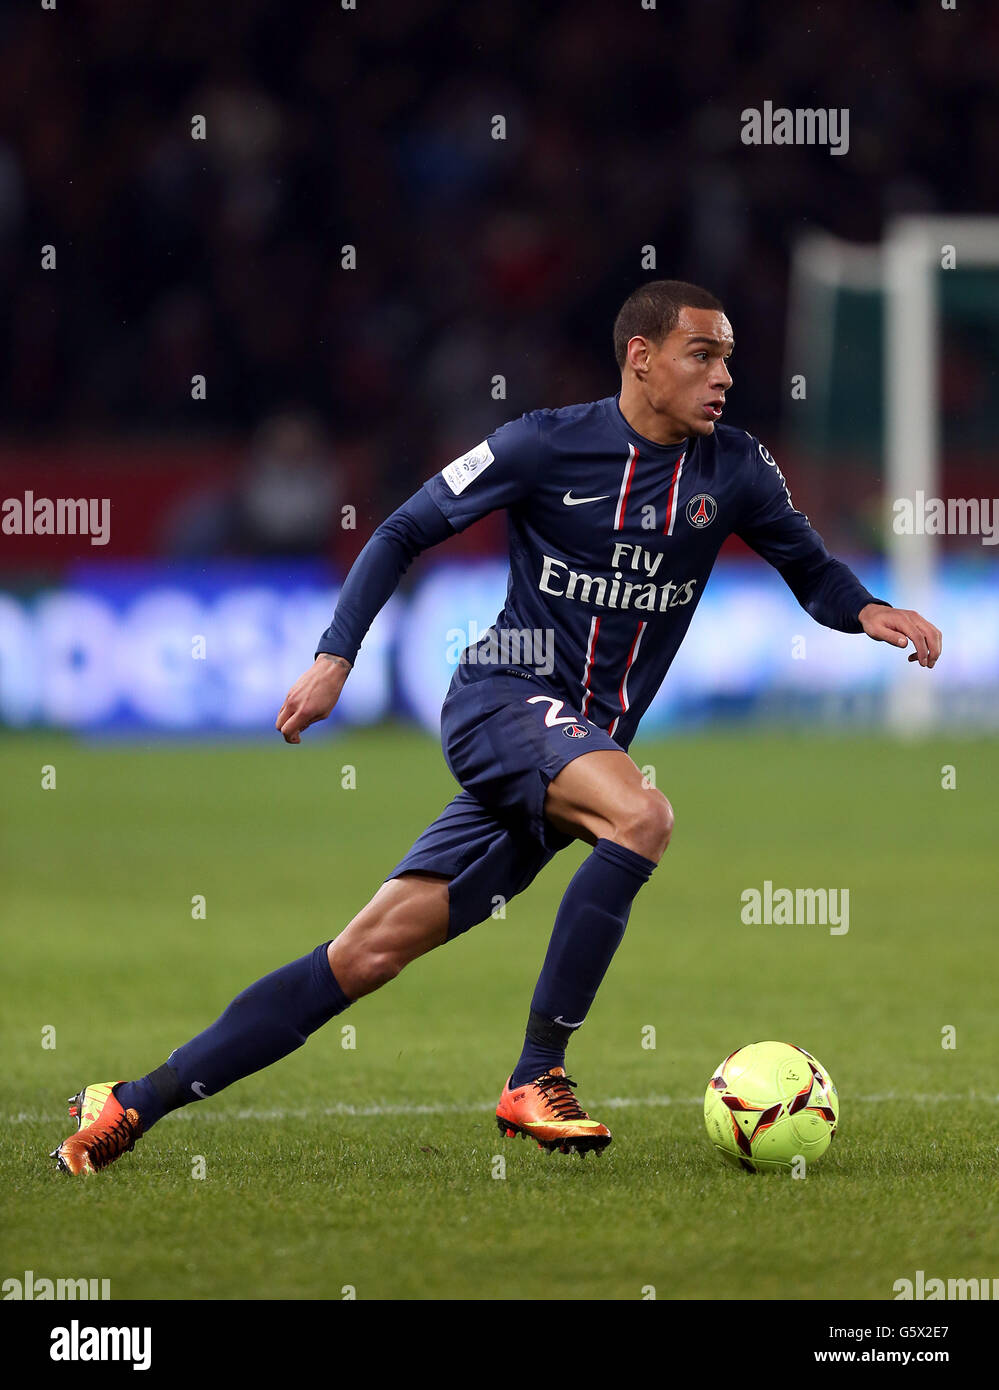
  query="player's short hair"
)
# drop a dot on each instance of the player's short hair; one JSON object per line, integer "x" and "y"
{"x": 653, "y": 311}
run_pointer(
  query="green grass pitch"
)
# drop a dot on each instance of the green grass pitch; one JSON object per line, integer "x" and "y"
{"x": 375, "y": 1168}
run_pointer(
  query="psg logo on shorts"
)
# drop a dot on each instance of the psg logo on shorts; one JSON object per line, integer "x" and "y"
{"x": 575, "y": 731}
{"x": 702, "y": 510}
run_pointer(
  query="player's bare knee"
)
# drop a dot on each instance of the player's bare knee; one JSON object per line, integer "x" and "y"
{"x": 362, "y": 964}
{"x": 380, "y": 967}
{"x": 659, "y": 816}
{"x": 645, "y": 824}
{"x": 372, "y": 969}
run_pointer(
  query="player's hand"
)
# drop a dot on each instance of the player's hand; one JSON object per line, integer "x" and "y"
{"x": 312, "y": 697}
{"x": 900, "y": 626}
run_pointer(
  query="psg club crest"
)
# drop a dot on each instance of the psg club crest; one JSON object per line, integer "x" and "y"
{"x": 702, "y": 510}
{"x": 576, "y": 731}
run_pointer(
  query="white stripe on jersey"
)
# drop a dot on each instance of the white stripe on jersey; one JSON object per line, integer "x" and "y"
{"x": 590, "y": 649}
{"x": 623, "y": 692}
{"x": 674, "y": 490}
{"x": 629, "y": 469}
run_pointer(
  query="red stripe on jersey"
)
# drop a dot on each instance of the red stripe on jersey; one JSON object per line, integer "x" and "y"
{"x": 622, "y": 500}
{"x": 622, "y": 693}
{"x": 591, "y": 647}
{"x": 673, "y": 490}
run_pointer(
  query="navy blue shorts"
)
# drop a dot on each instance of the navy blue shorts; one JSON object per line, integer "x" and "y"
{"x": 504, "y": 738}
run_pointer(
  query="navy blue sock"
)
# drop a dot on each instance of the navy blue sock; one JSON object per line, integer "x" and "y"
{"x": 588, "y": 930}
{"x": 263, "y": 1024}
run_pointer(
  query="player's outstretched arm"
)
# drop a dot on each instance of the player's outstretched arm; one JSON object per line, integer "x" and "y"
{"x": 900, "y": 626}
{"x": 313, "y": 696}
{"x": 827, "y": 589}
{"x": 496, "y": 473}
{"x": 373, "y": 578}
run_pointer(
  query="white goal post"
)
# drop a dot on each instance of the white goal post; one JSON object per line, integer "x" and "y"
{"x": 904, "y": 270}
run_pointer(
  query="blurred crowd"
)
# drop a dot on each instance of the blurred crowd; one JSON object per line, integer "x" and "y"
{"x": 476, "y": 258}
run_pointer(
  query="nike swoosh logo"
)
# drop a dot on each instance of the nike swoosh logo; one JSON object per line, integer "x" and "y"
{"x": 571, "y": 501}
{"x": 564, "y": 1021}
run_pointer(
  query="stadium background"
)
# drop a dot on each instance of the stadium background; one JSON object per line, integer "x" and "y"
{"x": 476, "y": 259}
{"x": 152, "y": 863}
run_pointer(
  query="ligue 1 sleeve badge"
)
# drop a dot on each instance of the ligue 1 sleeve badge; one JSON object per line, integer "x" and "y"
{"x": 702, "y": 510}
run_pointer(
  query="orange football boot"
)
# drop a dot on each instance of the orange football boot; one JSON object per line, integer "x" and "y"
{"x": 104, "y": 1130}
{"x": 546, "y": 1110}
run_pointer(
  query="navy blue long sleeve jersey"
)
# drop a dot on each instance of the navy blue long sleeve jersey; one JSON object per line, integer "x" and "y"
{"x": 612, "y": 540}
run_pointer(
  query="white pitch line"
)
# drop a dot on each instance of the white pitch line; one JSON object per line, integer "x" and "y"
{"x": 344, "y": 1110}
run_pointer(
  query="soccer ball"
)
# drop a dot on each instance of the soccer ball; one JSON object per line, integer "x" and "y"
{"x": 769, "y": 1104}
